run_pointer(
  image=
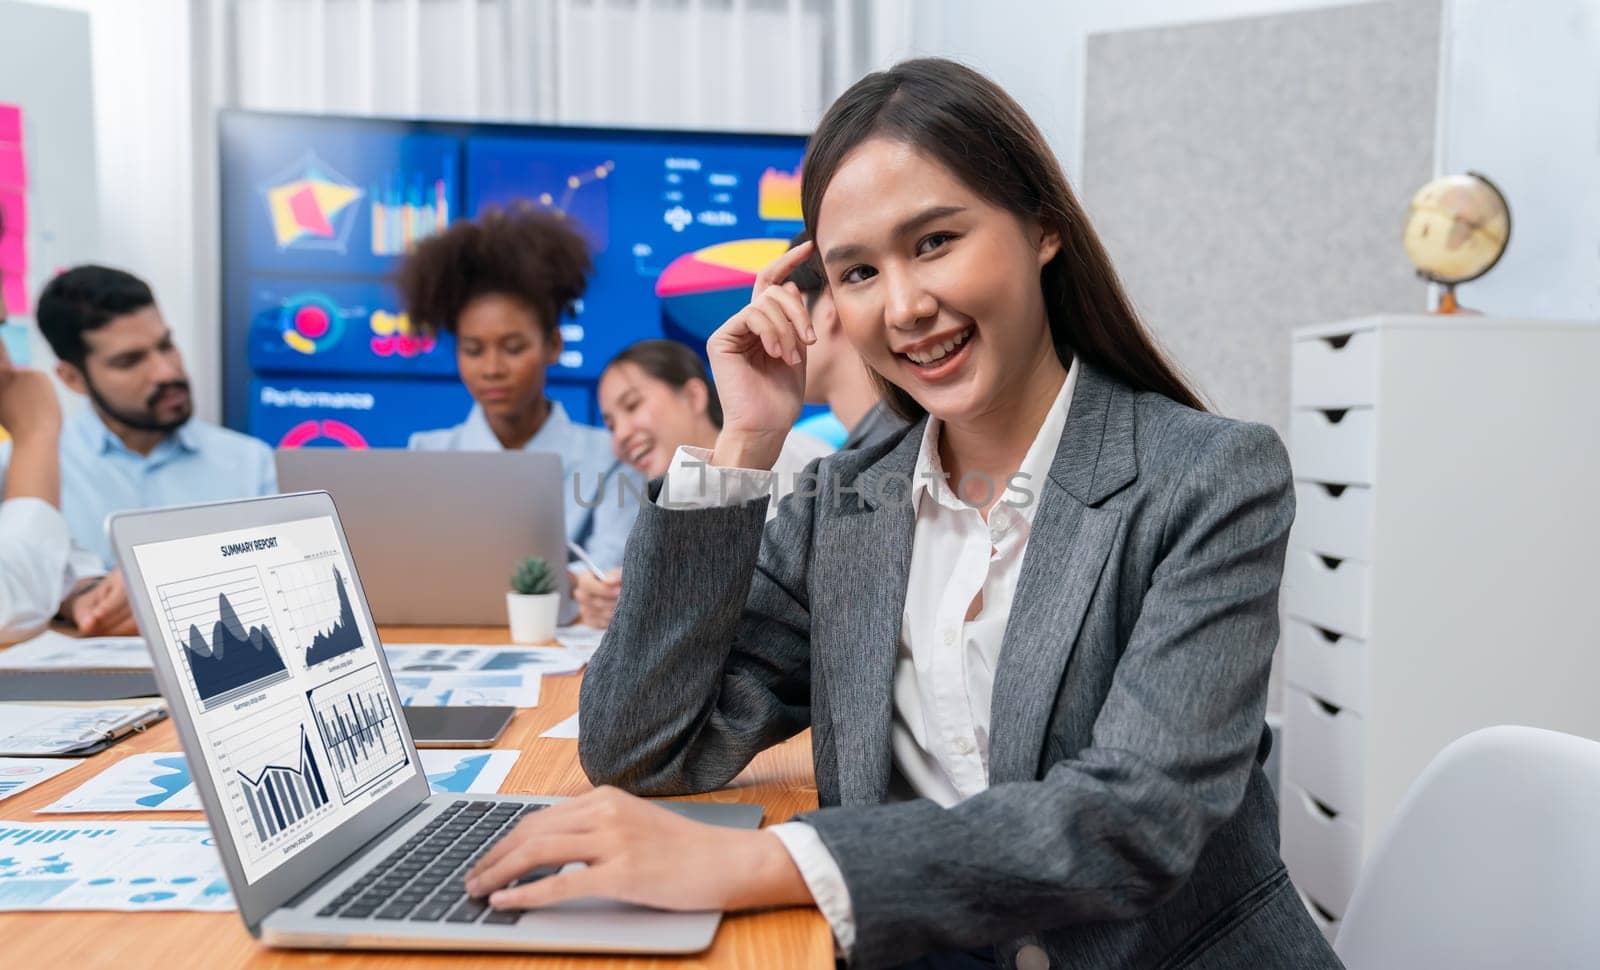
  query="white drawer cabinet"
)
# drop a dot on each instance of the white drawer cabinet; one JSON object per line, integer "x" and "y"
{"x": 1339, "y": 370}
{"x": 1324, "y": 751}
{"x": 1441, "y": 570}
{"x": 1333, "y": 519}
{"x": 1326, "y": 590}
{"x": 1327, "y": 664}
{"x": 1333, "y": 446}
{"x": 1321, "y": 847}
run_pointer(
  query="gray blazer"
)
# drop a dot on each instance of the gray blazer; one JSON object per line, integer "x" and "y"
{"x": 1128, "y": 822}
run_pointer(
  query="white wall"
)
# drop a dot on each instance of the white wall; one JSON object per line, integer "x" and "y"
{"x": 50, "y": 80}
{"x": 1521, "y": 104}
{"x": 150, "y": 185}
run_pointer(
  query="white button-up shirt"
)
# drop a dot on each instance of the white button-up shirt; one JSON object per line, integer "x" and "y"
{"x": 961, "y": 564}
{"x": 38, "y": 566}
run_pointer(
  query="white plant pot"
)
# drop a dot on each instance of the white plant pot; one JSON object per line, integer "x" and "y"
{"x": 533, "y": 618}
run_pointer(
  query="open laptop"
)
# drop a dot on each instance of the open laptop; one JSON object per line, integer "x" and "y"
{"x": 277, "y": 684}
{"x": 488, "y": 510}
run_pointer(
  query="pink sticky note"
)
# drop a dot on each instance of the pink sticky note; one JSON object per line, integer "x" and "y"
{"x": 14, "y": 210}
{"x": 13, "y": 233}
{"x": 13, "y": 257}
{"x": 13, "y": 254}
{"x": 13, "y": 174}
{"x": 16, "y": 294}
{"x": 10, "y": 123}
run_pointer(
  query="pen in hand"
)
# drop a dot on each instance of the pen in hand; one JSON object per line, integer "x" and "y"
{"x": 584, "y": 557}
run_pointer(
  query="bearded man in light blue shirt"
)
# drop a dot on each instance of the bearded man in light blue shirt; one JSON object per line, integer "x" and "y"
{"x": 137, "y": 444}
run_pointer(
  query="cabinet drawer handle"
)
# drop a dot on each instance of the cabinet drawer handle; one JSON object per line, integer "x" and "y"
{"x": 1321, "y": 808}
{"x": 1327, "y": 635}
{"x": 1333, "y": 415}
{"x": 1327, "y": 917}
{"x": 1332, "y": 562}
{"x": 1332, "y": 710}
{"x": 1334, "y": 491}
{"x": 1338, "y": 342}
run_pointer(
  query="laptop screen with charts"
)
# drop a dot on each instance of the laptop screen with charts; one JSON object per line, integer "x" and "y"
{"x": 269, "y": 660}
{"x": 267, "y": 653}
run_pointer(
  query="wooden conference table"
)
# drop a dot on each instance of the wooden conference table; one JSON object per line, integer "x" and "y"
{"x": 780, "y": 779}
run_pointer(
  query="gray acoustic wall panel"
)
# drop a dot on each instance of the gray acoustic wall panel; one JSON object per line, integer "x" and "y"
{"x": 1251, "y": 175}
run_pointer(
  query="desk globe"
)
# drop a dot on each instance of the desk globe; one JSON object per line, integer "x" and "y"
{"x": 1456, "y": 229}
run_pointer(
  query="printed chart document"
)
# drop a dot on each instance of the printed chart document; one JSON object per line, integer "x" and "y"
{"x": 45, "y": 729}
{"x": 17, "y": 775}
{"x": 54, "y": 651}
{"x": 137, "y": 783}
{"x": 481, "y": 688}
{"x": 110, "y": 865}
{"x": 161, "y": 782}
{"x": 278, "y": 667}
{"x": 467, "y": 770}
{"x": 580, "y": 640}
{"x": 445, "y": 657}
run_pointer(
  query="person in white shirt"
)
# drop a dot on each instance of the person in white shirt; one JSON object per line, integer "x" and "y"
{"x": 1030, "y": 638}
{"x": 655, "y": 398}
{"x": 42, "y": 574}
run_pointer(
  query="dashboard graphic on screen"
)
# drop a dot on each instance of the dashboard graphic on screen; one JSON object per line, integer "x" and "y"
{"x": 318, "y": 211}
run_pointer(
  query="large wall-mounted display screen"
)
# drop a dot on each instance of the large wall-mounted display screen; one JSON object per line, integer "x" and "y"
{"x": 317, "y": 211}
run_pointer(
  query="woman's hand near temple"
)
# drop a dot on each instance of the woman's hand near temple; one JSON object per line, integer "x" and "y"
{"x": 637, "y": 852}
{"x": 758, "y": 362}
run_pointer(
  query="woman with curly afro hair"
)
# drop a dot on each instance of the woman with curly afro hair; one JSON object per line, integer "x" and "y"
{"x": 499, "y": 284}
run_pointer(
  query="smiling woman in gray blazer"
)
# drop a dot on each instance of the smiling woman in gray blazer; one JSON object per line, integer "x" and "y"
{"x": 1031, "y": 636}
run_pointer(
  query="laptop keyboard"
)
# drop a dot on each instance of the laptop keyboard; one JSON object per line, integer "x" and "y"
{"x": 424, "y": 880}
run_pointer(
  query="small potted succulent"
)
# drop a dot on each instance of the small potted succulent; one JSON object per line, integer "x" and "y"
{"x": 533, "y": 602}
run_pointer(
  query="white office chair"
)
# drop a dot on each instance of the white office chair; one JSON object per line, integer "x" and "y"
{"x": 1492, "y": 861}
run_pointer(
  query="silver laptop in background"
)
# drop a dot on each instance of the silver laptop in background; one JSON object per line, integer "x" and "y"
{"x": 439, "y": 533}
{"x": 277, "y": 685}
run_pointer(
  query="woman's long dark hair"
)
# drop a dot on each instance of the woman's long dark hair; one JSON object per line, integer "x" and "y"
{"x": 963, "y": 120}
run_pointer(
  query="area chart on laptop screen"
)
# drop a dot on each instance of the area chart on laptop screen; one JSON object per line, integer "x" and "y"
{"x": 224, "y": 623}
{"x": 316, "y": 598}
{"x": 360, "y": 729}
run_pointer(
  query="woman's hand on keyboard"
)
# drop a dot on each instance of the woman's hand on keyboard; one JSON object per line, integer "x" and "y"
{"x": 636, "y": 852}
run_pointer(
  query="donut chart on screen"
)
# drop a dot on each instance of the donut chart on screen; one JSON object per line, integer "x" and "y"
{"x": 326, "y": 433}
{"x": 311, "y": 323}
{"x": 700, "y": 290}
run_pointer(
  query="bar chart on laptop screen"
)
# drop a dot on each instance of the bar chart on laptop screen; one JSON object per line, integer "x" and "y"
{"x": 276, "y": 784}
{"x": 360, "y": 728}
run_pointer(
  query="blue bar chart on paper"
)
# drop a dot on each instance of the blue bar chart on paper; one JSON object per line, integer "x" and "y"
{"x": 315, "y": 596}
{"x": 280, "y": 795}
{"x": 225, "y": 626}
{"x": 359, "y": 728}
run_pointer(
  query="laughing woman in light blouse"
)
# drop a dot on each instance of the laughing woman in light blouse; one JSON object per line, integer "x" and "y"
{"x": 1030, "y": 636}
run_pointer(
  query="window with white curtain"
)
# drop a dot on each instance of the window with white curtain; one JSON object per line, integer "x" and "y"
{"x": 760, "y": 65}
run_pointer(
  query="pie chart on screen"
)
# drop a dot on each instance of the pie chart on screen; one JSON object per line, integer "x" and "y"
{"x": 702, "y": 289}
